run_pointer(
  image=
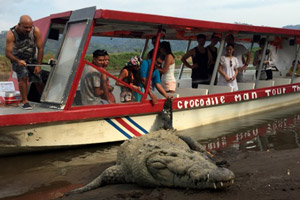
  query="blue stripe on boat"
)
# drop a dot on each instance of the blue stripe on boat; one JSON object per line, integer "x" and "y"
{"x": 118, "y": 128}
{"x": 136, "y": 125}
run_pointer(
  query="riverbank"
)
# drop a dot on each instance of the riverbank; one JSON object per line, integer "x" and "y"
{"x": 259, "y": 175}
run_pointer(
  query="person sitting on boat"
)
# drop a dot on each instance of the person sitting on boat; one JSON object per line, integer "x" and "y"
{"x": 155, "y": 79}
{"x": 200, "y": 57}
{"x": 228, "y": 68}
{"x": 167, "y": 70}
{"x": 268, "y": 62}
{"x": 22, "y": 41}
{"x": 150, "y": 53}
{"x": 297, "y": 72}
{"x": 130, "y": 74}
{"x": 111, "y": 97}
{"x": 240, "y": 51}
{"x": 93, "y": 85}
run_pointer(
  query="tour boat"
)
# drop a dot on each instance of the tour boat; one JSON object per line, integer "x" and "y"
{"x": 60, "y": 121}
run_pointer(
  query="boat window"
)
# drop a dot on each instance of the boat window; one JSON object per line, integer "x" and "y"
{"x": 64, "y": 66}
{"x": 120, "y": 51}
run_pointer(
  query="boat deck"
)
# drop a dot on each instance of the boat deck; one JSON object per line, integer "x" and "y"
{"x": 10, "y": 109}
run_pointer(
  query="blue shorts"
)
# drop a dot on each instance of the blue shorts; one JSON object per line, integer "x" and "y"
{"x": 26, "y": 72}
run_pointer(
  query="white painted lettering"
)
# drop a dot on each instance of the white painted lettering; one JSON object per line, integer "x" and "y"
{"x": 202, "y": 103}
{"x": 268, "y": 92}
{"x": 179, "y": 104}
{"x": 222, "y": 99}
{"x": 253, "y": 95}
{"x": 246, "y": 96}
{"x": 186, "y": 103}
{"x": 197, "y": 103}
{"x": 208, "y": 102}
{"x": 192, "y": 103}
{"x": 238, "y": 97}
{"x": 217, "y": 101}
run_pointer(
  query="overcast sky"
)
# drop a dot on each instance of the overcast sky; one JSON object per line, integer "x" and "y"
{"x": 276, "y": 13}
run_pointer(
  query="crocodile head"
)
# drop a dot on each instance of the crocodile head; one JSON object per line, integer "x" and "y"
{"x": 175, "y": 167}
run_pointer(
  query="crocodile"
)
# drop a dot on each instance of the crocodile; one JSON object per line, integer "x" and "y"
{"x": 163, "y": 159}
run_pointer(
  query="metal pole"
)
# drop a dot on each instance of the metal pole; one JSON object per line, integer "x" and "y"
{"x": 153, "y": 60}
{"x": 296, "y": 62}
{"x": 220, "y": 51}
{"x": 144, "y": 49}
{"x": 182, "y": 65}
{"x": 261, "y": 61}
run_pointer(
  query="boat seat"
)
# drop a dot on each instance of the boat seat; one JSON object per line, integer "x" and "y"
{"x": 282, "y": 81}
{"x": 265, "y": 83}
{"x": 216, "y": 88}
{"x": 185, "y": 92}
{"x": 249, "y": 77}
{"x": 245, "y": 86}
{"x": 184, "y": 83}
{"x": 296, "y": 80}
{"x": 203, "y": 86}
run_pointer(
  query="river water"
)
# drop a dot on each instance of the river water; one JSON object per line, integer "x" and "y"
{"x": 30, "y": 173}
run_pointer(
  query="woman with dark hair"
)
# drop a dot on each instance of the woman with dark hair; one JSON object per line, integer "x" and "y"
{"x": 228, "y": 68}
{"x": 167, "y": 70}
{"x": 130, "y": 74}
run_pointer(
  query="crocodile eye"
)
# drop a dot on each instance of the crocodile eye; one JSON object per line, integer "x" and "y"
{"x": 158, "y": 165}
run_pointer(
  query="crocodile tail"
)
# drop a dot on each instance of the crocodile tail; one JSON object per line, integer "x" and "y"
{"x": 111, "y": 175}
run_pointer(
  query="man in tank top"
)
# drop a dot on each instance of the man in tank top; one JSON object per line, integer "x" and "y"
{"x": 24, "y": 46}
{"x": 200, "y": 57}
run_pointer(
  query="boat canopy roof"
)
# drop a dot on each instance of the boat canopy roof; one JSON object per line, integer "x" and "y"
{"x": 112, "y": 23}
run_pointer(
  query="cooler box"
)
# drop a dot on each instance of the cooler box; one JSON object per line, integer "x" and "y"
{"x": 8, "y": 95}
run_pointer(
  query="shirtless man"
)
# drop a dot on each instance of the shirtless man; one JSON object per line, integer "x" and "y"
{"x": 22, "y": 42}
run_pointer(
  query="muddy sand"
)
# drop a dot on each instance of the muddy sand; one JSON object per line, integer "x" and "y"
{"x": 272, "y": 175}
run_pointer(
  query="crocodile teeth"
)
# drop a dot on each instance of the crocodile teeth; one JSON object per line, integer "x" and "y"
{"x": 207, "y": 177}
{"x": 215, "y": 186}
{"x": 232, "y": 181}
{"x": 221, "y": 183}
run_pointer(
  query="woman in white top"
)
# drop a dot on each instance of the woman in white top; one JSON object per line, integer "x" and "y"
{"x": 167, "y": 70}
{"x": 228, "y": 68}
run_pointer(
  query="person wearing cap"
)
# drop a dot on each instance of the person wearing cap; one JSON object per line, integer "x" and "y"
{"x": 130, "y": 75}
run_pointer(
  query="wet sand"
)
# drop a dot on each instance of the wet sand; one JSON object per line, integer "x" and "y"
{"x": 259, "y": 175}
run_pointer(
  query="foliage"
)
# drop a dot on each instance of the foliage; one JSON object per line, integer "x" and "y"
{"x": 5, "y": 65}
